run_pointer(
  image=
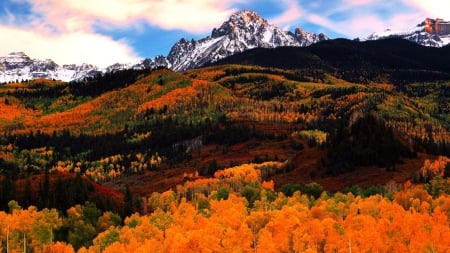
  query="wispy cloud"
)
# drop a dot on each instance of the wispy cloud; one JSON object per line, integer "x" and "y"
{"x": 292, "y": 12}
{"x": 359, "y": 18}
{"x": 192, "y": 15}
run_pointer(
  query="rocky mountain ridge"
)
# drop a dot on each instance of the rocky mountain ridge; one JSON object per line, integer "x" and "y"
{"x": 242, "y": 31}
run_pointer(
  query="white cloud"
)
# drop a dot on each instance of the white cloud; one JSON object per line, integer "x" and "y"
{"x": 68, "y": 48}
{"x": 190, "y": 15}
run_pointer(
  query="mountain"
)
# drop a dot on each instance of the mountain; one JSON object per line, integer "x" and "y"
{"x": 19, "y": 66}
{"x": 431, "y": 32}
{"x": 244, "y": 30}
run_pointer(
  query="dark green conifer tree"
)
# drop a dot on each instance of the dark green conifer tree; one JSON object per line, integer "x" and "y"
{"x": 128, "y": 206}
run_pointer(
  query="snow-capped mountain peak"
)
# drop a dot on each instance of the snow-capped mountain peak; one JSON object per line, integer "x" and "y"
{"x": 431, "y": 32}
{"x": 242, "y": 31}
{"x": 244, "y": 20}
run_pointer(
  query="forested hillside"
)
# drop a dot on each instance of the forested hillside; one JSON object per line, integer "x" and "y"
{"x": 226, "y": 153}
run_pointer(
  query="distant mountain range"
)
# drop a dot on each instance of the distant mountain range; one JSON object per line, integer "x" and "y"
{"x": 431, "y": 33}
{"x": 18, "y": 66}
{"x": 244, "y": 30}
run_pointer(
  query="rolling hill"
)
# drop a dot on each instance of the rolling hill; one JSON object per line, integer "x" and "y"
{"x": 308, "y": 107}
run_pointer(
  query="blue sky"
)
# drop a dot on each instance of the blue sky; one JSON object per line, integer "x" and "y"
{"x": 104, "y": 32}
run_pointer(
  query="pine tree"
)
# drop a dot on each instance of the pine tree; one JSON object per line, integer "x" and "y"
{"x": 26, "y": 199}
{"x": 8, "y": 192}
{"x": 127, "y": 203}
{"x": 44, "y": 192}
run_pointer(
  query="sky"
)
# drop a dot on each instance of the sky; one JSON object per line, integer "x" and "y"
{"x": 104, "y": 32}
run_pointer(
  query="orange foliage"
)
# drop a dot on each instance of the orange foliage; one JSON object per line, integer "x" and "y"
{"x": 269, "y": 185}
{"x": 413, "y": 222}
{"x": 178, "y": 96}
{"x": 74, "y": 118}
{"x": 10, "y": 112}
{"x": 434, "y": 168}
{"x": 58, "y": 247}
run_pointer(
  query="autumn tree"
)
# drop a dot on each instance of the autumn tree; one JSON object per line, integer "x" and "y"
{"x": 82, "y": 221}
